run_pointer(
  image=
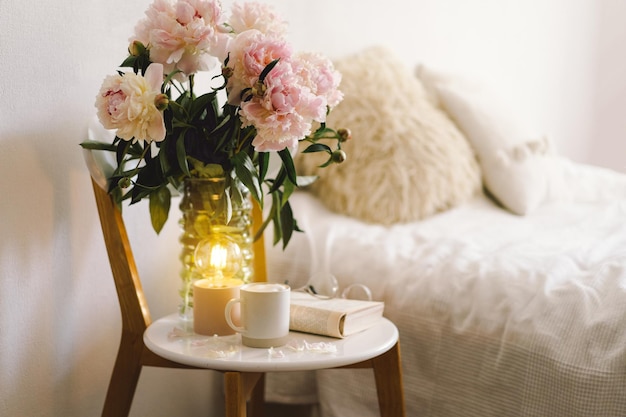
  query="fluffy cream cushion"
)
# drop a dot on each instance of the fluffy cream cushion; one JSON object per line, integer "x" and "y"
{"x": 515, "y": 161}
{"x": 406, "y": 160}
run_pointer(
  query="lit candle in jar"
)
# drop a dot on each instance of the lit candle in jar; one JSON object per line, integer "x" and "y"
{"x": 218, "y": 258}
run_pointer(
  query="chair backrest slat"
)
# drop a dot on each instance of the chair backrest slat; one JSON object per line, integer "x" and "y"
{"x": 133, "y": 304}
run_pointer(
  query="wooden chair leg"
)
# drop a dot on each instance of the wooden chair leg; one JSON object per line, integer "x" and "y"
{"x": 123, "y": 381}
{"x": 238, "y": 387}
{"x": 256, "y": 406}
{"x": 388, "y": 374}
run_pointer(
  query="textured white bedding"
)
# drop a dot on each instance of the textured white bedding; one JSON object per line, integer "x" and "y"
{"x": 499, "y": 315}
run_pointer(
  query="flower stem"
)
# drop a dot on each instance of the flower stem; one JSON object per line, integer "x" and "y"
{"x": 191, "y": 86}
{"x": 249, "y": 136}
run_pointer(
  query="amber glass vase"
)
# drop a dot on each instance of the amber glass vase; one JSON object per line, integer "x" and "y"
{"x": 212, "y": 205}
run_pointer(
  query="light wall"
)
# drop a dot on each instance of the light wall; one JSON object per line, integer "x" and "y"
{"x": 606, "y": 143}
{"x": 558, "y": 61}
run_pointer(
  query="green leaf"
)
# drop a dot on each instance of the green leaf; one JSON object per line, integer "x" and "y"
{"x": 285, "y": 155}
{"x": 149, "y": 179}
{"x": 113, "y": 183}
{"x": 228, "y": 126}
{"x": 136, "y": 150}
{"x": 322, "y": 132}
{"x": 317, "y": 147}
{"x": 287, "y": 223}
{"x": 98, "y": 146}
{"x": 181, "y": 153}
{"x": 223, "y": 124}
{"x": 121, "y": 150}
{"x": 200, "y": 104}
{"x": 279, "y": 180}
{"x": 159, "y": 207}
{"x": 178, "y": 111}
{"x": 288, "y": 189}
{"x": 267, "y": 69}
{"x": 129, "y": 62}
{"x": 246, "y": 172}
{"x": 264, "y": 162}
{"x": 276, "y": 217}
{"x": 164, "y": 161}
{"x": 139, "y": 192}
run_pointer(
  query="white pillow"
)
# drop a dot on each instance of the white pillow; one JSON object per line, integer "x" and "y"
{"x": 515, "y": 162}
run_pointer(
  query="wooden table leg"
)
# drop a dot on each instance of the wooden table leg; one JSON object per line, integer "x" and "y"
{"x": 388, "y": 373}
{"x": 256, "y": 406}
{"x": 238, "y": 387}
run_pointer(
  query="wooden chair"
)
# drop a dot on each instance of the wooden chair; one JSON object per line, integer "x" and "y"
{"x": 133, "y": 354}
{"x": 242, "y": 389}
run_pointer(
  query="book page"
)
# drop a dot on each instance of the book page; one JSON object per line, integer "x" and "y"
{"x": 310, "y": 320}
{"x": 336, "y": 317}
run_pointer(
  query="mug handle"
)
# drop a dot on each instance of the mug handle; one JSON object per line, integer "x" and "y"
{"x": 227, "y": 315}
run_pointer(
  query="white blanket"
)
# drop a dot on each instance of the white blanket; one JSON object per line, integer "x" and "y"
{"x": 499, "y": 315}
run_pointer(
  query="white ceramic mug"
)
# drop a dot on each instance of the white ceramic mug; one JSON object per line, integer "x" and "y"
{"x": 264, "y": 314}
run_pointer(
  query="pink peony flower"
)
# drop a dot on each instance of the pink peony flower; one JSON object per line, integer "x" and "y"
{"x": 319, "y": 74}
{"x": 252, "y": 15}
{"x": 188, "y": 35}
{"x": 128, "y": 103}
{"x": 284, "y": 112}
{"x": 250, "y": 52}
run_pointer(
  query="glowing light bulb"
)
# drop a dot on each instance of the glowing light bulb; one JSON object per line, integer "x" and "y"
{"x": 218, "y": 257}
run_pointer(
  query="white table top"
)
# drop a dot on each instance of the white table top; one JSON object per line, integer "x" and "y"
{"x": 172, "y": 339}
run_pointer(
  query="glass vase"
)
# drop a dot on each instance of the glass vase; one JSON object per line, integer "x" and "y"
{"x": 212, "y": 205}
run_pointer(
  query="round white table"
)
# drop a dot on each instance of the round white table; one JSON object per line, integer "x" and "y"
{"x": 244, "y": 367}
{"x": 174, "y": 340}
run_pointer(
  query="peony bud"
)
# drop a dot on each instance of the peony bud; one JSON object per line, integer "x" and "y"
{"x": 227, "y": 72}
{"x": 161, "y": 101}
{"x": 124, "y": 182}
{"x": 338, "y": 156}
{"x": 344, "y": 134}
{"x": 136, "y": 48}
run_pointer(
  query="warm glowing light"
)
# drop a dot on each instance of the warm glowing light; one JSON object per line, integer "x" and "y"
{"x": 218, "y": 257}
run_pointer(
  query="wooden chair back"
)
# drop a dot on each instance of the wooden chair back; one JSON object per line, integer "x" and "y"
{"x": 133, "y": 354}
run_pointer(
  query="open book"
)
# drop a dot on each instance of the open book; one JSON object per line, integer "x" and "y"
{"x": 336, "y": 317}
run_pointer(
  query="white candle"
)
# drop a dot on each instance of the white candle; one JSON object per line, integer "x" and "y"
{"x": 209, "y": 302}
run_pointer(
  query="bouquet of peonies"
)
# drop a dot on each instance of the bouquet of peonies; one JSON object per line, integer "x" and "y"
{"x": 262, "y": 98}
